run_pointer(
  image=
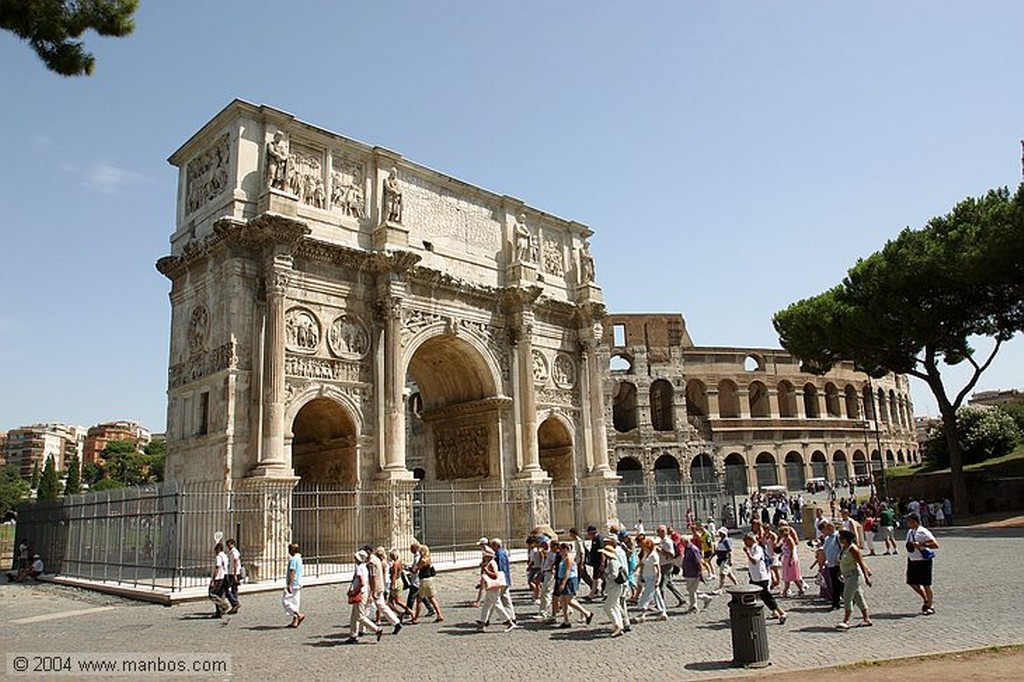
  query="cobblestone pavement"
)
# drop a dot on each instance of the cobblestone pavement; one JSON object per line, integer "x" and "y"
{"x": 979, "y": 575}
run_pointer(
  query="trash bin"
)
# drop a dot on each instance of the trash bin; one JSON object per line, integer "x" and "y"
{"x": 749, "y": 637}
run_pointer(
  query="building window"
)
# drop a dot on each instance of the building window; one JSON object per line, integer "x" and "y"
{"x": 619, "y": 335}
{"x": 204, "y": 414}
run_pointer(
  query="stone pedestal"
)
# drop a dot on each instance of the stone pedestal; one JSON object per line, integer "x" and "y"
{"x": 600, "y": 500}
{"x": 393, "y": 525}
{"x": 530, "y": 498}
{"x": 391, "y": 234}
{"x": 278, "y": 202}
{"x": 588, "y": 292}
{"x": 522, "y": 272}
{"x": 266, "y": 524}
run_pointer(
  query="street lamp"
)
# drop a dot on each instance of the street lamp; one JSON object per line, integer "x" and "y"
{"x": 878, "y": 440}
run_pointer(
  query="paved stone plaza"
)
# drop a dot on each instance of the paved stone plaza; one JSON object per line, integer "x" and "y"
{"x": 978, "y": 579}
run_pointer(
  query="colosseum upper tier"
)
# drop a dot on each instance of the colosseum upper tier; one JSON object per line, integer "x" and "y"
{"x": 748, "y": 417}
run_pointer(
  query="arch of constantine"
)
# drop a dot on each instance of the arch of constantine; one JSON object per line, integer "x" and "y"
{"x": 344, "y": 317}
{"x": 747, "y": 416}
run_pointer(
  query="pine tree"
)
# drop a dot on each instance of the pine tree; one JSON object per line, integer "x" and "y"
{"x": 49, "y": 482}
{"x": 73, "y": 484}
{"x": 35, "y": 476}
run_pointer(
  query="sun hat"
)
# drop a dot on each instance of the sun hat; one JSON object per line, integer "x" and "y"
{"x": 482, "y": 541}
{"x": 362, "y": 556}
{"x": 609, "y": 552}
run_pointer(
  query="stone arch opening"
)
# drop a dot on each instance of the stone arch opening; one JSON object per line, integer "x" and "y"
{"x": 811, "y": 407}
{"x": 869, "y": 403}
{"x": 757, "y": 394}
{"x": 852, "y": 402}
{"x": 736, "y": 473}
{"x": 554, "y": 443}
{"x": 324, "y": 445}
{"x": 840, "y": 465}
{"x": 795, "y": 478}
{"x": 325, "y": 458}
{"x": 819, "y": 465}
{"x": 457, "y": 386}
{"x": 666, "y": 474}
{"x": 832, "y": 400}
{"x": 662, "y": 407}
{"x": 620, "y": 362}
{"x": 754, "y": 363}
{"x": 624, "y": 407}
{"x": 696, "y": 398}
{"x": 894, "y": 417}
{"x": 631, "y": 472}
{"x": 767, "y": 473}
{"x": 787, "y": 399}
{"x": 860, "y": 463}
{"x": 728, "y": 399}
{"x": 702, "y": 469}
{"x": 883, "y": 411}
{"x": 899, "y": 457}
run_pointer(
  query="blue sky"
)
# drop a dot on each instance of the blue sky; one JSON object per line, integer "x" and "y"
{"x": 731, "y": 157}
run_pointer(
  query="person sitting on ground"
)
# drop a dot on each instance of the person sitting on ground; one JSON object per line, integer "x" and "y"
{"x": 31, "y": 571}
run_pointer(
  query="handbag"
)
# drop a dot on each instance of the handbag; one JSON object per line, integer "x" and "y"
{"x": 494, "y": 583}
{"x": 355, "y": 597}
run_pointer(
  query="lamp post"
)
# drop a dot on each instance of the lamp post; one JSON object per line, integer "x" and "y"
{"x": 878, "y": 440}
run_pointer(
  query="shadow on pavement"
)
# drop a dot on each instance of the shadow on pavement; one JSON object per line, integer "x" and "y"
{"x": 819, "y": 628}
{"x": 708, "y": 666}
{"x": 584, "y": 634}
{"x": 262, "y": 628}
{"x": 893, "y": 616}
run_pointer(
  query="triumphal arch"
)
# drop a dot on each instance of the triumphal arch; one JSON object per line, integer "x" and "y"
{"x": 325, "y": 293}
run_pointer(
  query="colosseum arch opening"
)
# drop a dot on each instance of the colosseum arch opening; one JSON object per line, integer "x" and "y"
{"x": 662, "y": 405}
{"x": 787, "y": 399}
{"x": 736, "y": 473}
{"x": 795, "y": 478}
{"x": 624, "y": 417}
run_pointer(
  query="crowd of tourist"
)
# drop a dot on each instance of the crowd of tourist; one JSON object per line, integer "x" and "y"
{"x": 628, "y": 577}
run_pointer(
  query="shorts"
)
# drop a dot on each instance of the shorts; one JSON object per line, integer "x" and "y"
{"x": 919, "y": 572}
{"x": 572, "y": 586}
{"x": 427, "y": 589}
{"x": 708, "y": 556}
{"x": 533, "y": 575}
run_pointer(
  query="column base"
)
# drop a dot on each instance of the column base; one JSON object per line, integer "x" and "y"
{"x": 522, "y": 272}
{"x": 589, "y": 292}
{"x": 393, "y": 527}
{"x": 278, "y": 201}
{"x": 265, "y": 522}
{"x": 531, "y": 506}
{"x": 600, "y": 499}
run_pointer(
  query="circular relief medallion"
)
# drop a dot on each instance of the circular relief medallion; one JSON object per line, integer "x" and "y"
{"x": 348, "y": 337}
{"x": 540, "y": 368}
{"x": 198, "y": 329}
{"x": 302, "y": 330}
{"x": 564, "y": 372}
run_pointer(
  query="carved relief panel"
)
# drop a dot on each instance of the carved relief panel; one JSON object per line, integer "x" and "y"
{"x": 207, "y": 175}
{"x": 306, "y": 176}
{"x": 554, "y": 257}
{"x": 461, "y": 452}
{"x": 564, "y": 372}
{"x": 302, "y": 331}
{"x": 540, "y": 368}
{"x": 198, "y": 329}
{"x": 348, "y": 337}
{"x": 348, "y": 194}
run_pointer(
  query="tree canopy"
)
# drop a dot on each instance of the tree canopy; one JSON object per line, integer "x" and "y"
{"x": 984, "y": 433}
{"x": 73, "y": 483}
{"x": 122, "y": 462}
{"x": 52, "y": 28}
{"x": 920, "y": 302}
{"x": 13, "y": 489}
{"x": 49, "y": 482}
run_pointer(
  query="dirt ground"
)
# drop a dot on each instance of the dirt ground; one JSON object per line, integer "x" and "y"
{"x": 987, "y": 664}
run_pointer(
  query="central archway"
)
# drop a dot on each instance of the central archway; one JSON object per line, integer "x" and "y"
{"x": 554, "y": 442}
{"x": 455, "y": 383}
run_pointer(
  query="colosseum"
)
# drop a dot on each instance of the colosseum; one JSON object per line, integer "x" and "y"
{"x": 747, "y": 417}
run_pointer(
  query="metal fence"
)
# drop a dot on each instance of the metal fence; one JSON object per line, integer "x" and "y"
{"x": 161, "y": 536}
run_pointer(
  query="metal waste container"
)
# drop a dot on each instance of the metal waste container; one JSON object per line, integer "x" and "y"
{"x": 749, "y": 637}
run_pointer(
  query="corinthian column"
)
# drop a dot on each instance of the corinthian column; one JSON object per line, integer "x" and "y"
{"x": 272, "y": 450}
{"x": 394, "y": 385}
{"x": 526, "y": 398}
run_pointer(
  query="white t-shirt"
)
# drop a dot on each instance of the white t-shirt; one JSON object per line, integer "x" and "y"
{"x": 666, "y": 545}
{"x": 758, "y": 571}
{"x": 361, "y": 577}
{"x": 236, "y": 561}
{"x": 650, "y": 566}
{"x": 919, "y": 534}
{"x": 222, "y": 566}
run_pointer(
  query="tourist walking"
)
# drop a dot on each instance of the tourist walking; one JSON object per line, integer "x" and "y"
{"x": 358, "y": 598}
{"x": 666, "y": 549}
{"x": 547, "y": 586}
{"x": 921, "y": 546}
{"x": 397, "y": 584}
{"x": 691, "y": 563}
{"x": 615, "y": 585}
{"x": 650, "y": 578}
{"x": 292, "y": 598}
{"x": 723, "y": 559}
{"x": 851, "y": 566}
{"x": 887, "y": 527}
{"x": 219, "y": 581}
{"x": 493, "y": 581}
{"x": 830, "y": 545}
{"x": 567, "y": 584}
{"x": 790, "y": 561}
{"x": 501, "y": 558}
{"x": 595, "y": 563}
{"x": 759, "y": 575}
{"x": 481, "y": 544}
{"x": 234, "y": 577}
{"x": 425, "y": 571}
{"x": 580, "y": 557}
{"x": 379, "y": 588}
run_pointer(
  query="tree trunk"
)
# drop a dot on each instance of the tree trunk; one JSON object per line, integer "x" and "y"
{"x": 956, "y": 461}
